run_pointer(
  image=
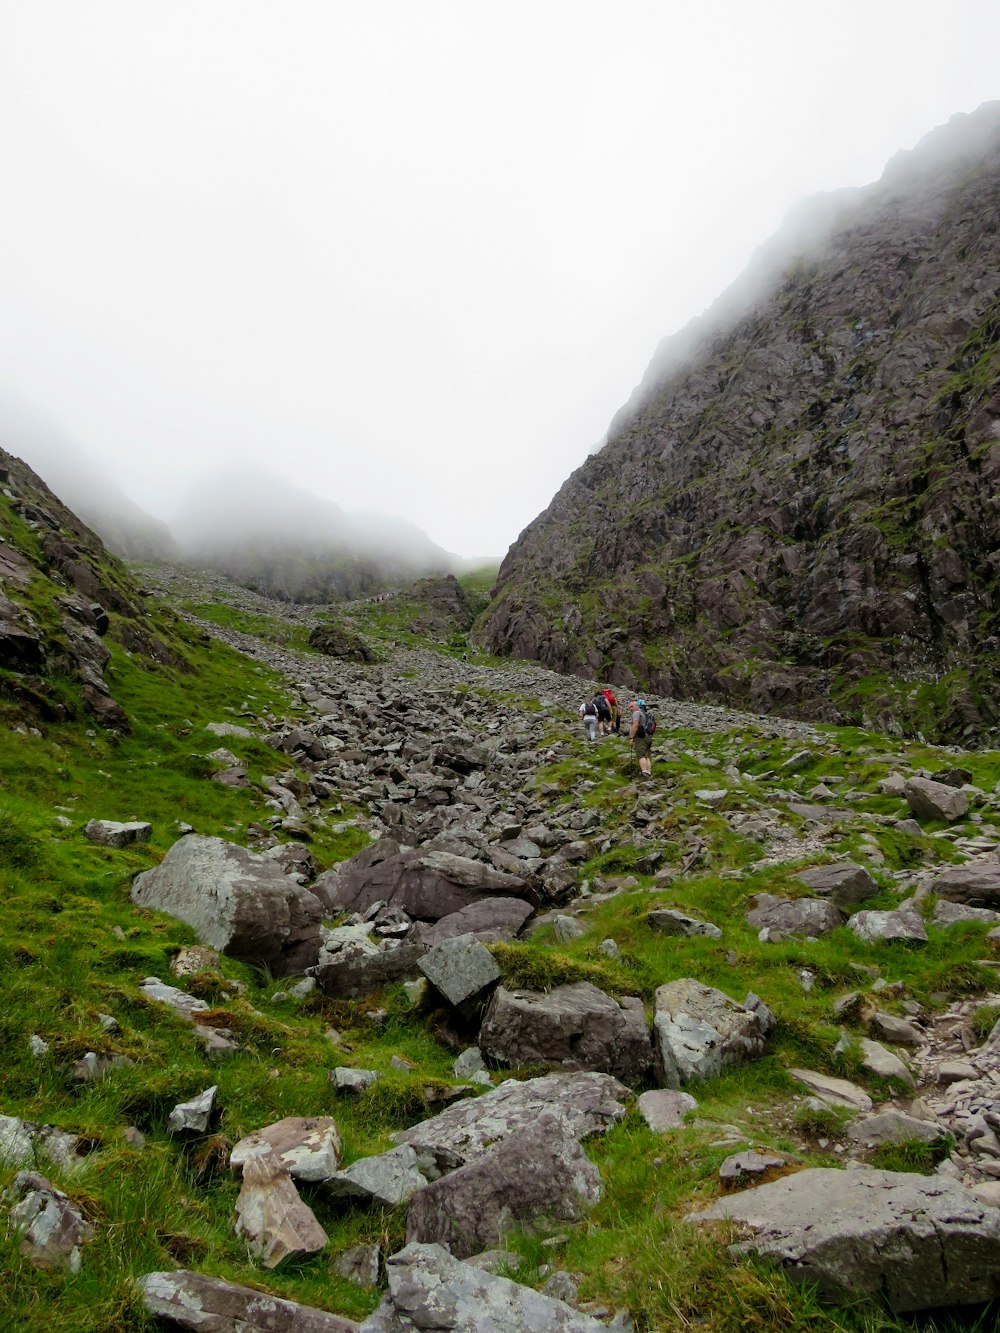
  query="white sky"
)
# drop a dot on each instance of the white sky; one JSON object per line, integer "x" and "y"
{"x": 414, "y": 254}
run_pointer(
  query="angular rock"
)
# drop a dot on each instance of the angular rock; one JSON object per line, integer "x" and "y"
{"x": 699, "y": 1031}
{"x": 308, "y": 1147}
{"x": 935, "y": 800}
{"x": 877, "y": 1060}
{"x": 388, "y": 1178}
{"x": 359, "y": 1264}
{"x": 489, "y": 919}
{"x": 271, "y": 1216}
{"x": 346, "y": 1079}
{"x": 51, "y": 1228}
{"x": 918, "y": 1243}
{"x": 950, "y": 914}
{"x": 201, "y": 1304}
{"x": 539, "y": 1171}
{"x": 194, "y": 1116}
{"x": 589, "y": 1103}
{"x": 239, "y": 903}
{"x": 977, "y": 884}
{"x": 903, "y": 924}
{"x": 461, "y": 969}
{"x": 577, "y": 1026}
{"x": 896, "y": 1030}
{"x": 427, "y": 884}
{"x": 436, "y": 1293}
{"x": 347, "y": 975}
{"x": 22, "y": 1142}
{"x": 783, "y": 917}
{"x": 753, "y": 1168}
{"x": 110, "y": 834}
{"x": 177, "y": 1000}
{"x": 667, "y": 921}
{"x": 845, "y": 883}
{"x": 664, "y": 1109}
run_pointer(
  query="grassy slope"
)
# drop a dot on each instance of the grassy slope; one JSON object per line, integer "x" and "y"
{"x": 72, "y": 947}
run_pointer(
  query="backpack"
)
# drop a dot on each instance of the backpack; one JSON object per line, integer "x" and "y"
{"x": 590, "y": 710}
{"x": 647, "y": 722}
{"x": 603, "y": 709}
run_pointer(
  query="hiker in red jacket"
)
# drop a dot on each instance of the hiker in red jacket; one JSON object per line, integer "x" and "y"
{"x": 616, "y": 712}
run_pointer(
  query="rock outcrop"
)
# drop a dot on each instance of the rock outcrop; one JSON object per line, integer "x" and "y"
{"x": 802, "y": 486}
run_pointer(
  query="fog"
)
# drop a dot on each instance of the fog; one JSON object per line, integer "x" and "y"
{"x": 408, "y": 258}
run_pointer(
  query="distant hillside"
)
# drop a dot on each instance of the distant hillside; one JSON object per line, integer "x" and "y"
{"x": 797, "y": 511}
{"x": 284, "y": 542}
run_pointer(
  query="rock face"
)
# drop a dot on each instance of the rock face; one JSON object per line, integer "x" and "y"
{"x": 919, "y": 1243}
{"x": 778, "y": 473}
{"x": 577, "y": 1026}
{"x": 239, "y": 903}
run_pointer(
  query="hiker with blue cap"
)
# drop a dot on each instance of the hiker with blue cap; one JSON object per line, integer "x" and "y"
{"x": 640, "y": 737}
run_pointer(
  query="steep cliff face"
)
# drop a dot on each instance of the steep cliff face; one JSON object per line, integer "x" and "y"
{"x": 798, "y": 509}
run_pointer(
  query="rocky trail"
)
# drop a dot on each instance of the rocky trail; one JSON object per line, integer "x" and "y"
{"x": 491, "y": 821}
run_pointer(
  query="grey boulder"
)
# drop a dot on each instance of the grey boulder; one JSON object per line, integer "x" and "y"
{"x": 699, "y": 1031}
{"x": 845, "y": 883}
{"x": 489, "y": 919}
{"x": 589, "y": 1103}
{"x": 239, "y": 903}
{"x": 432, "y": 1291}
{"x": 111, "y": 834}
{"x": 539, "y": 1171}
{"x": 977, "y": 885}
{"x": 917, "y": 1242}
{"x": 935, "y": 800}
{"x": 308, "y": 1147}
{"x": 271, "y": 1216}
{"x": 388, "y": 1178}
{"x": 577, "y": 1026}
{"x": 51, "y": 1227}
{"x": 782, "y": 917}
{"x": 903, "y": 924}
{"x": 461, "y": 969}
{"x": 948, "y": 913}
{"x": 668, "y": 921}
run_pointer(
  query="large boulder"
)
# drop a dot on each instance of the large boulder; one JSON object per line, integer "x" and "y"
{"x": 589, "y": 1103}
{"x": 845, "y": 883}
{"x": 699, "y": 1031}
{"x": 935, "y": 800}
{"x": 903, "y": 924}
{"x": 432, "y": 1291}
{"x": 489, "y": 919}
{"x": 782, "y": 917}
{"x": 461, "y": 969}
{"x": 539, "y": 1171}
{"x": 576, "y": 1026}
{"x": 347, "y": 974}
{"x": 977, "y": 884}
{"x": 275, "y": 1222}
{"x": 308, "y": 1147}
{"x": 427, "y": 884}
{"x": 203, "y": 1304}
{"x": 239, "y": 903}
{"x": 917, "y": 1242}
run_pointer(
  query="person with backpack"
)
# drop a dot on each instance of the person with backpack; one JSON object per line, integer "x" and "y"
{"x": 603, "y": 713}
{"x": 588, "y": 712}
{"x": 641, "y": 735}
{"x": 613, "y": 709}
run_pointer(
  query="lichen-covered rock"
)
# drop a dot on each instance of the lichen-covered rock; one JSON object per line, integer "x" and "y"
{"x": 699, "y": 1031}
{"x": 308, "y": 1147}
{"x": 202, "y": 1304}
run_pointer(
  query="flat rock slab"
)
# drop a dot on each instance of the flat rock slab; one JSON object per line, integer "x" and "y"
{"x": 952, "y": 914}
{"x": 834, "y": 1091}
{"x": 540, "y": 1171}
{"x": 111, "y": 834}
{"x": 589, "y": 1103}
{"x": 664, "y": 1109}
{"x": 308, "y": 1147}
{"x": 668, "y": 921}
{"x": 239, "y": 903}
{"x": 272, "y": 1217}
{"x": 388, "y": 1178}
{"x": 178, "y": 1000}
{"x": 845, "y": 883}
{"x": 577, "y": 1026}
{"x": 460, "y": 969}
{"x": 489, "y": 919}
{"x": 209, "y": 1305}
{"x": 917, "y": 1242}
{"x": 432, "y": 1291}
{"x": 894, "y": 1127}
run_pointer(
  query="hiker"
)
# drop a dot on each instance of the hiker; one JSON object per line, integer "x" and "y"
{"x": 639, "y": 737}
{"x": 615, "y": 711}
{"x": 588, "y": 712}
{"x": 603, "y": 713}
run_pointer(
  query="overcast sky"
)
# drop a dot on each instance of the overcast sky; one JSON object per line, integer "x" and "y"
{"x": 414, "y": 254}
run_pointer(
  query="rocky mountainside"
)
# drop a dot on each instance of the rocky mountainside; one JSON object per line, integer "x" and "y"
{"x": 797, "y": 511}
{"x": 61, "y": 593}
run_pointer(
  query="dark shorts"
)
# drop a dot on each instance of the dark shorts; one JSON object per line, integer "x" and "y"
{"x": 643, "y": 746}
